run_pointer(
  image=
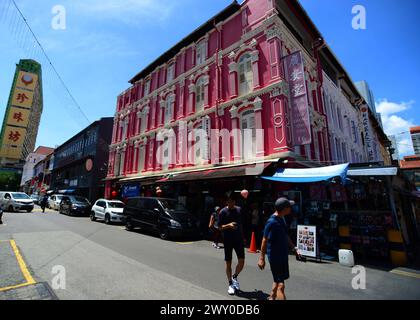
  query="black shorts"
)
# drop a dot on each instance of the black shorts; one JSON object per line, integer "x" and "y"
{"x": 280, "y": 271}
{"x": 237, "y": 245}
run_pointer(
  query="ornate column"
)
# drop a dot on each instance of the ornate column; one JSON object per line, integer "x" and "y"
{"x": 236, "y": 141}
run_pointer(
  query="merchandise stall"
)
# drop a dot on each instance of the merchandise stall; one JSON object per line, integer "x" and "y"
{"x": 351, "y": 209}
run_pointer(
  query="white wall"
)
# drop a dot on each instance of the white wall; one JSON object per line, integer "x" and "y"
{"x": 338, "y": 107}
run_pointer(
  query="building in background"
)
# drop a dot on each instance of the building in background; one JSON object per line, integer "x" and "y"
{"x": 41, "y": 180}
{"x": 394, "y": 146}
{"x": 28, "y": 169}
{"x": 369, "y": 97}
{"x": 80, "y": 164}
{"x": 415, "y": 137}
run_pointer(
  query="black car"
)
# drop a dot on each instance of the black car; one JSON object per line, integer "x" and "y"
{"x": 167, "y": 217}
{"x": 75, "y": 206}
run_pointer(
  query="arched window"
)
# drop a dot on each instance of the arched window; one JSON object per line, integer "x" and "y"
{"x": 201, "y": 52}
{"x": 168, "y": 109}
{"x": 199, "y": 94}
{"x": 249, "y": 145}
{"x": 245, "y": 75}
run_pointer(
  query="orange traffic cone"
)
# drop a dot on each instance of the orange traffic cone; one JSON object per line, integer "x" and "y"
{"x": 253, "y": 246}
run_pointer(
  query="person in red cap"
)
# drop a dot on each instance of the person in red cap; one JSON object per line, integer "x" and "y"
{"x": 276, "y": 244}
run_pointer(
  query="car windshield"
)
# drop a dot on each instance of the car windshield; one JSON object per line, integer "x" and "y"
{"x": 20, "y": 196}
{"x": 79, "y": 199}
{"x": 58, "y": 197}
{"x": 172, "y": 205}
{"x": 117, "y": 205}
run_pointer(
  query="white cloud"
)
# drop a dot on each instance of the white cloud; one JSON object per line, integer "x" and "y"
{"x": 386, "y": 107}
{"x": 397, "y": 125}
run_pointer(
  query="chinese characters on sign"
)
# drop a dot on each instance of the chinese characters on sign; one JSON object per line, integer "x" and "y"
{"x": 368, "y": 134}
{"x": 295, "y": 74}
{"x": 18, "y": 115}
{"x": 14, "y": 136}
{"x": 22, "y": 98}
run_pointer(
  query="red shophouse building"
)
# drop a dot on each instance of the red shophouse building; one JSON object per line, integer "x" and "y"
{"x": 227, "y": 74}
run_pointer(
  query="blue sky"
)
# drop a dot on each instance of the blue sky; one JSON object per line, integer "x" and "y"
{"x": 106, "y": 42}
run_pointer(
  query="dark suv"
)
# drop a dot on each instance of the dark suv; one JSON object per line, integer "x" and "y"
{"x": 167, "y": 217}
{"x": 75, "y": 205}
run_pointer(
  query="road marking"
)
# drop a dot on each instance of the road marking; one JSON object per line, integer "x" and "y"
{"x": 23, "y": 268}
{"x": 185, "y": 243}
{"x": 406, "y": 274}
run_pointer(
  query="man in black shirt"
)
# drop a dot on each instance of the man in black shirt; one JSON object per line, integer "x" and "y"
{"x": 230, "y": 223}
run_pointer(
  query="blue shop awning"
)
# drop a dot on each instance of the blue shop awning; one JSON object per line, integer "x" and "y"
{"x": 384, "y": 171}
{"x": 310, "y": 175}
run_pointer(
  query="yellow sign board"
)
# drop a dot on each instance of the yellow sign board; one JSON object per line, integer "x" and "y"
{"x": 18, "y": 117}
{"x": 11, "y": 152}
{"x": 14, "y": 136}
{"x": 22, "y": 98}
{"x": 27, "y": 80}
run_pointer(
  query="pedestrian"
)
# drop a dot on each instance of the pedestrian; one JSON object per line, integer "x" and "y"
{"x": 275, "y": 244}
{"x": 44, "y": 202}
{"x": 1, "y": 215}
{"x": 230, "y": 223}
{"x": 214, "y": 227}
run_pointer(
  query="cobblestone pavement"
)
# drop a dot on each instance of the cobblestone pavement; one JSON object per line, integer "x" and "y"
{"x": 38, "y": 291}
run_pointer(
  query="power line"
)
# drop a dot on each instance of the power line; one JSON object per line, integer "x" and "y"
{"x": 50, "y": 63}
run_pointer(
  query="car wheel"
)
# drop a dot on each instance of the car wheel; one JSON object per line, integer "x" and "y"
{"x": 28, "y": 211}
{"x": 107, "y": 219}
{"x": 128, "y": 225}
{"x": 164, "y": 232}
{"x": 11, "y": 209}
{"x": 92, "y": 216}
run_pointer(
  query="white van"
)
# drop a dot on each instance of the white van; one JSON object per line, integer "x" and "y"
{"x": 16, "y": 201}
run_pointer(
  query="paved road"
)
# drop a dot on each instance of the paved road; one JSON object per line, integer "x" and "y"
{"x": 108, "y": 262}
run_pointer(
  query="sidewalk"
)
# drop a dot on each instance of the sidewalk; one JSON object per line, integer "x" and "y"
{"x": 16, "y": 281}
